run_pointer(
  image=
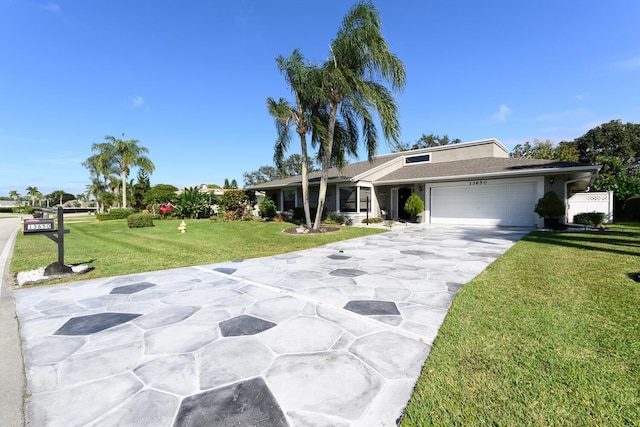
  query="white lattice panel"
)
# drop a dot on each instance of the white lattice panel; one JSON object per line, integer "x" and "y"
{"x": 591, "y": 202}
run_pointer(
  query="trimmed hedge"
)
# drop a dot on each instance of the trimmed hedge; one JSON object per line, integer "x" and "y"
{"x": 140, "y": 220}
{"x": 593, "y": 219}
{"x": 23, "y": 209}
{"x": 373, "y": 220}
{"x": 4, "y": 209}
{"x": 117, "y": 213}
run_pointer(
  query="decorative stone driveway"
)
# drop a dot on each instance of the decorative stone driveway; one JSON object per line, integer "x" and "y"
{"x": 332, "y": 336}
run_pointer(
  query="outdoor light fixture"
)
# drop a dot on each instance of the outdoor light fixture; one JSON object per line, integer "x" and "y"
{"x": 551, "y": 180}
{"x": 420, "y": 188}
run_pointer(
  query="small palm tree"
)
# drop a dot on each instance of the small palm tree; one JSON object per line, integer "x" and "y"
{"x": 15, "y": 196}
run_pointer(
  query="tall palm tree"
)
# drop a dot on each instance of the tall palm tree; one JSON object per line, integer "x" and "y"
{"x": 33, "y": 193}
{"x": 124, "y": 154}
{"x": 297, "y": 73}
{"x": 359, "y": 58}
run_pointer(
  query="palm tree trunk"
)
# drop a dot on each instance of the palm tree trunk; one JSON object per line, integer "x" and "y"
{"x": 305, "y": 181}
{"x": 326, "y": 165}
{"x": 124, "y": 189}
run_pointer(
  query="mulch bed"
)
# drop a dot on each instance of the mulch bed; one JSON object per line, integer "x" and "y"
{"x": 294, "y": 230}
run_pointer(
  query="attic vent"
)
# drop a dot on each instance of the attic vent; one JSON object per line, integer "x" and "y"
{"x": 423, "y": 158}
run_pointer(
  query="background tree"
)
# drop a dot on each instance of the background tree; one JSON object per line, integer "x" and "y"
{"x": 32, "y": 192}
{"x": 159, "y": 194}
{"x": 427, "y": 141}
{"x": 139, "y": 189}
{"x": 262, "y": 174}
{"x": 291, "y": 166}
{"x": 15, "y": 196}
{"x": 226, "y": 184}
{"x": 359, "y": 60}
{"x": 546, "y": 150}
{"x": 60, "y": 197}
{"x": 124, "y": 154}
{"x": 234, "y": 184}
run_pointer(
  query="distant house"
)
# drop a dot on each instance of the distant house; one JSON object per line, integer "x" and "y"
{"x": 474, "y": 183}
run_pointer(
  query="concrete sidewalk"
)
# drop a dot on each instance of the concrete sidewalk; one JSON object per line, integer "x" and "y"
{"x": 334, "y": 335}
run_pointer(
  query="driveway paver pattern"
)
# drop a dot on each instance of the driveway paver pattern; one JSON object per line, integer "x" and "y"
{"x": 334, "y": 335}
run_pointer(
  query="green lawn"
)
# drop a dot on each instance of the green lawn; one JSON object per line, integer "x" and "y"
{"x": 114, "y": 249}
{"x": 548, "y": 335}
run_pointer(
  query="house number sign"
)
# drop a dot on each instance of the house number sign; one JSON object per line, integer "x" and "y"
{"x": 482, "y": 182}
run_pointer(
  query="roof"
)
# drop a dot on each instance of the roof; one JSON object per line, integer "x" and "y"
{"x": 482, "y": 167}
{"x": 437, "y": 171}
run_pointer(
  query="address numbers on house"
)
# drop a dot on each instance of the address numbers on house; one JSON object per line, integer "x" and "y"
{"x": 480, "y": 182}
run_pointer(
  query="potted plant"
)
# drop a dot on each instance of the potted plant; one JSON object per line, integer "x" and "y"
{"x": 551, "y": 208}
{"x": 414, "y": 206}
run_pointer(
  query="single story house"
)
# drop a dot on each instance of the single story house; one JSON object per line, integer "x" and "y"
{"x": 473, "y": 183}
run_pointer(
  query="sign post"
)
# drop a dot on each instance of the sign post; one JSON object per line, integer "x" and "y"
{"x": 46, "y": 226}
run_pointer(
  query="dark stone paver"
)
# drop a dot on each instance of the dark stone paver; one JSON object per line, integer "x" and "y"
{"x": 132, "y": 289}
{"x": 248, "y": 403}
{"x": 87, "y": 325}
{"x": 369, "y": 308}
{"x": 347, "y": 272}
{"x": 244, "y": 325}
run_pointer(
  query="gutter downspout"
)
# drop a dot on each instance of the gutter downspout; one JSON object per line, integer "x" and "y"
{"x": 566, "y": 194}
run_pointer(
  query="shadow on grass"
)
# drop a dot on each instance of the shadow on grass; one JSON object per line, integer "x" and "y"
{"x": 634, "y": 276}
{"x": 614, "y": 241}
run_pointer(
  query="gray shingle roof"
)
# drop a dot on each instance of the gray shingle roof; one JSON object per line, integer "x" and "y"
{"x": 481, "y": 166}
{"x": 422, "y": 171}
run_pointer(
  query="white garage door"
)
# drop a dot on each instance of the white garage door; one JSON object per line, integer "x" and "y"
{"x": 485, "y": 204}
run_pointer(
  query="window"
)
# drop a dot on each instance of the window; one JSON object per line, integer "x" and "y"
{"x": 348, "y": 199}
{"x": 423, "y": 158}
{"x": 289, "y": 199}
{"x": 365, "y": 199}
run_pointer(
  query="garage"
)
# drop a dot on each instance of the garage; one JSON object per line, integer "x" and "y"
{"x": 485, "y": 202}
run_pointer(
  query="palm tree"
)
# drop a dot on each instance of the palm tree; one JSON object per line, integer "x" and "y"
{"x": 124, "y": 154}
{"x": 359, "y": 57}
{"x": 102, "y": 169}
{"x": 15, "y": 196}
{"x": 33, "y": 193}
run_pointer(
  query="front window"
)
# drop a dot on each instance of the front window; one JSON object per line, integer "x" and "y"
{"x": 348, "y": 199}
{"x": 289, "y": 200}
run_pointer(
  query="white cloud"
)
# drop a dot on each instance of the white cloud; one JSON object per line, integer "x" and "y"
{"x": 136, "y": 101}
{"x": 502, "y": 113}
{"x": 51, "y": 7}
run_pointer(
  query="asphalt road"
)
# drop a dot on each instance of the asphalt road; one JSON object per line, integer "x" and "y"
{"x": 12, "y": 386}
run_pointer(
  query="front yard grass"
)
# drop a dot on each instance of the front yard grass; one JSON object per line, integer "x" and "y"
{"x": 114, "y": 249}
{"x": 548, "y": 335}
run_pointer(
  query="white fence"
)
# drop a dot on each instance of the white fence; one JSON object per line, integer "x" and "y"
{"x": 591, "y": 202}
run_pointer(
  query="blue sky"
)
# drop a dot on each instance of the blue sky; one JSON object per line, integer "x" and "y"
{"x": 189, "y": 79}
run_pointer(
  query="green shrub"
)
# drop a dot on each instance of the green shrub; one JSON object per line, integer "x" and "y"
{"x": 631, "y": 208}
{"x": 23, "y": 210}
{"x": 119, "y": 213}
{"x": 268, "y": 208}
{"x": 5, "y": 209}
{"x": 593, "y": 219}
{"x": 374, "y": 220}
{"x": 414, "y": 205}
{"x": 116, "y": 213}
{"x": 247, "y": 217}
{"x": 336, "y": 218}
{"x": 139, "y": 220}
{"x": 549, "y": 206}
